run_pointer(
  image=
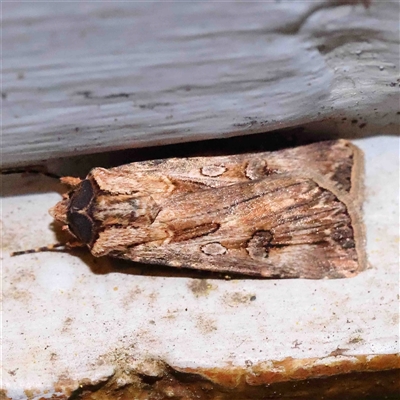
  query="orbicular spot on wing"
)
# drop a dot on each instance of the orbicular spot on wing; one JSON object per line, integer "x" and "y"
{"x": 213, "y": 170}
{"x": 258, "y": 245}
{"x": 81, "y": 226}
{"x": 213, "y": 249}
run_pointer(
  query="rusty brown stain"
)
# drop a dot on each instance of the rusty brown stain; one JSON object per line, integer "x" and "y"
{"x": 31, "y": 393}
{"x": 338, "y": 352}
{"x": 28, "y": 275}
{"x": 205, "y": 324}
{"x": 131, "y": 296}
{"x": 200, "y": 287}
{"x": 357, "y": 339}
{"x": 170, "y": 315}
{"x": 299, "y": 378}
{"x": 236, "y": 298}
{"x": 3, "y": 395}
{"x": 67, "y": 324}
{"x": 308, "y": 369}
{"x": 297, "y": 369}
{"x": 65, "y": 385}
{"x": 20, "y": 295}
{"x": 153, "y": 296}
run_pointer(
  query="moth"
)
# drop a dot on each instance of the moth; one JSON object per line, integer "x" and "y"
{"x": 293, "y": 213}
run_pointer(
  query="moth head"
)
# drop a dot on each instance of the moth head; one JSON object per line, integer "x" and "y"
{"x": 74, "y": 210}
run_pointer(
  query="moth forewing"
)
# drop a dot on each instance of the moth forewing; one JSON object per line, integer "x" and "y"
{"x": 291, "y": 213}
{"x": 282, "y": 226}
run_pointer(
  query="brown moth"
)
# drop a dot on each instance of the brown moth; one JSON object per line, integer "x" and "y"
{"x": 292, "y": 213}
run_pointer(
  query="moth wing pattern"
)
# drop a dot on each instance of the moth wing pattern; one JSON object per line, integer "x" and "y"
{"x": 338, "y": 161}
{"x": 280, "y": 226}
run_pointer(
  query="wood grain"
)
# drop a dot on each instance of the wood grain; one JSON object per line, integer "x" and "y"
{"x": 106, "y": 76}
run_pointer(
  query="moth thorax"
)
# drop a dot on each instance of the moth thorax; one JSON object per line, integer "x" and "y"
{"x": 90, "y": 210}
{"x": 134, "y": 210}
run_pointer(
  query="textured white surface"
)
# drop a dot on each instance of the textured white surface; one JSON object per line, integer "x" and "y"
{"x": 101, "y": 76}
{"x": 70, "y": 318}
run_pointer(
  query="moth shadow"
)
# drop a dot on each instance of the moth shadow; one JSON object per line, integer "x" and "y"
{"x": 109, "y": 265}
{"x": 20, "y": 184}
{"x": 31, "y": 181}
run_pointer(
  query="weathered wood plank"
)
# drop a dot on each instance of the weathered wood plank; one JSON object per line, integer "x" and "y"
{"x": 89, "y": 77}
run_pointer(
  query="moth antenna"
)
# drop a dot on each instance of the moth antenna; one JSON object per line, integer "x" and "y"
{"x": 50, "y": 247}
{"x": 30, "y": 170}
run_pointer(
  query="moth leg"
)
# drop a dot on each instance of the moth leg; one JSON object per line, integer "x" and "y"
{"x": 70, "y": 181}
{"x": 74, "y": 244}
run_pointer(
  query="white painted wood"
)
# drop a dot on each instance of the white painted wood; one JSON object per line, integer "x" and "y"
{"x": 88, "y": 77}
{"x": 70, "y": 319}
